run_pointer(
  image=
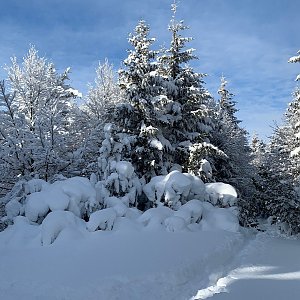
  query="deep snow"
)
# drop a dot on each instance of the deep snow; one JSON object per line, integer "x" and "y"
{"x": 194, "y": 251}
{"x": 267, "y": 268}
{"x": 112, "y": 265}
{"x": 133, "y": 263}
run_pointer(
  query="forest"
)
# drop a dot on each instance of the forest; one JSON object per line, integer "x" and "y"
{"x": 153, "y": 121}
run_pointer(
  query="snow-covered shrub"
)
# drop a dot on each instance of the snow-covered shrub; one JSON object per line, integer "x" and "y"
{"x": 221, "y": 194}
{"x": 197, "y": 190}
{"x": 191, "y": 211}
{"x": 102, "y": 219}
{"x": 58, "y": 221}
{"x": 37, "y": 198}
{"x": 15, "y": 199}
{"x": 155, "y": 217}
{"x": 175, "y": 223}
{"x": 215, "y": 218}
{"x": 174, "y": 189}
{"x": 119, "y": 205}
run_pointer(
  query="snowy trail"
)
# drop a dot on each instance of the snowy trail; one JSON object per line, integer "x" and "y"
{"x": 267, "y": 268}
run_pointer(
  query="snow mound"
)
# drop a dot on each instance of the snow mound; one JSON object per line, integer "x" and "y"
{"x": 36, "y": 206}
{"x": 221, "y": 194}
{"x": 154, "y": 218}
{"x": 215, "y": 218}
{"x": 193, "y": 209}
{"x": 56, "y": 222}
{"x": 174, "y": 189}
{"x": 175, "y": 223}
{"x": 120, "y": 206}
{"x": 102, "y": 219}
{"x": 76, "y": 194}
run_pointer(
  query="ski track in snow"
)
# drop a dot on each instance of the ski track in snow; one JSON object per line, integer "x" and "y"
{"x": 268, "y": 267}
{"x": 219, "y": 284}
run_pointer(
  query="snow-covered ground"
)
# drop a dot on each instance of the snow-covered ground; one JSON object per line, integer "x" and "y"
{"x": 148, "y": 264}
{"x": 267, "y": 268}
{"x": 112, "y": 265}
{"x": 194, "y": 251}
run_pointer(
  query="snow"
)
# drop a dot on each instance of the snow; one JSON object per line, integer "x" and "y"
{"x": 75, "y": 194}
{"x": 196, "y": 252}
{"x": 219, "y": 219}
{"x": 58, "y": 221}
{"x": 124, "y": 169}
{"x": 175, "y": 223}
{"x": 155, "y": 143}
{"x": 102, "y": 219}
{"x": 174, "y": 189}
{"x": 74, "y": 92}
{"x": 206, "y": 168}
{"x": 267, "y": 268}
{"x": 222, "y": 193}
{"x": 191, "y": 212}
{"x": 192, "y": 251}
{"x": 119, "y": 264}
{"x": 294, "y": 59}
{"x": 35, "y": 207}
{"x": 154, "y": 217}
{"x": 295, "y": 152}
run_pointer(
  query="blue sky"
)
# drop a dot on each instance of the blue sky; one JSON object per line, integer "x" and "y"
{"x": 249, "y": 41}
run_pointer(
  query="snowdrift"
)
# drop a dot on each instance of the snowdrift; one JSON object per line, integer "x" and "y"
{"x": 73, "y": 205}
{"x": 68, "y": 242}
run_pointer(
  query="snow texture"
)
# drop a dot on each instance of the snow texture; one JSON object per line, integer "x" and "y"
{"x": 76, "y": 194}
{"x": 124, "y": 264}
{"x": 221, "y": 193}
{"x": 174, "y": 189}
{"x": 102, "y": 219}
{"x": 58, "y": 221}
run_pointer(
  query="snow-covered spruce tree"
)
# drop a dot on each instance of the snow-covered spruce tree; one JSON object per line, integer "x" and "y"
{"x": 236, "y": 168}
{"x": 232, "y": 139}
{"x": 101, "y": 98}
{"x": 293, "y": 122}
{"x": 36, "y": 121}
{"x": 258, "y": 151}
{"x": 118, "y": 177}
{"x": 278, "y": 193}
{"x": 279, "y": 173}
{"x": 189, "y": 109}
{"x": 139, "y": 117}
{"x": 253, "y": 208}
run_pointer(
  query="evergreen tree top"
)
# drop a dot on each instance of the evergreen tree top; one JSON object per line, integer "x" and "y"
{"x": 226, "y": 102}
{"x": 295, "y": 59}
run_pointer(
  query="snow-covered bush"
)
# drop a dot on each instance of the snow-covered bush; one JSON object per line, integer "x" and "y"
{"x": 192, "y": 216}
{"x": 174, "y": 189}
{"x": 37, "y": 198}
{"x": 215, "y": 218}
{"x": 102, "y": 219}
{"x": 58, "y": 221}
{"x": 177, "y": 188}
{"x": 175, "y": 223}
{"x": 221, "y": 194}
{"x": 155, "y": 217}
{"x": 191, "y": 211}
